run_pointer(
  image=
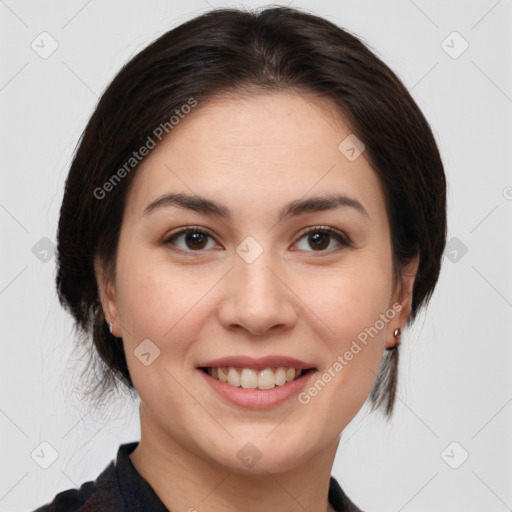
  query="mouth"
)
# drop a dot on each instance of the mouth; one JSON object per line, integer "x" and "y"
{"x": 250, "y": 378}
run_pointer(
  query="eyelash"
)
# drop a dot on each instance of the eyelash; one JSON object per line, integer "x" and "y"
{"x": 342, "y": 239}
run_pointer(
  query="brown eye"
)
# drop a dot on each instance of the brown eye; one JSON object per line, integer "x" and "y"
{"x": 194, "y": 240}
{"x": 319, "y": 238}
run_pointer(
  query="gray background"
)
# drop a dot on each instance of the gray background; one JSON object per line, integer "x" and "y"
{"x": 455, "y": 383}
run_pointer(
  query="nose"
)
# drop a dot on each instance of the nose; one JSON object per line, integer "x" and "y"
{"x": 257, "y": 298}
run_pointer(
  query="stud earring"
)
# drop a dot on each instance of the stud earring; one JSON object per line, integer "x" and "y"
{"x": 110, "y": 325}
{"x": 396, "y": 334}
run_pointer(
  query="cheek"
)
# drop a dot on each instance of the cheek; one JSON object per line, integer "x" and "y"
{"x": 162, "y": 304}
{"x": 350, "y": 300}
{"x": 351, "y": 305}
{"x": 159, "y": 301}
{"x": 355, "y": 318}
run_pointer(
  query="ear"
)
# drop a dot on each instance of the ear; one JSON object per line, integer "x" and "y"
{"x": 402, "y": 300}
{"x": 107, "y": 295}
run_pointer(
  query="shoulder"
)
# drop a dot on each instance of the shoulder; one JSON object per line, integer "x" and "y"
{"x": 100, "y": 494}
{"x": 339, "y": 499}
{"x": 79, "y": 500}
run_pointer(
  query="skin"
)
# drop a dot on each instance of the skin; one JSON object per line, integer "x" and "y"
{"x": 252, "y": 154}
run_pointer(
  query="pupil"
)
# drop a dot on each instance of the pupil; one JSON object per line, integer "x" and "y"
{"x": 316, "y": 240}
{"x": 195, "y": 239}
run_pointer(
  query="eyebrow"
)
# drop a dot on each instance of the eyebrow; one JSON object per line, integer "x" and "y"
{"x": 292, "y": 209}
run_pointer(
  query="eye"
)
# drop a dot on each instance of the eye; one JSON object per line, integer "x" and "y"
{"x": 320, "y": 237}
{"x": 194, "y": 239}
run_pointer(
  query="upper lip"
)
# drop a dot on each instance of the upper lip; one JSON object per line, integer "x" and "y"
{"x": 257, "y": 363}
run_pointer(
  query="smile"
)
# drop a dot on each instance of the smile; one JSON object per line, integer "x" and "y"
{"x": 249, "y": 378}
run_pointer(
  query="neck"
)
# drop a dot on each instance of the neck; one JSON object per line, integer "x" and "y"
{"x": 185, "y": 480}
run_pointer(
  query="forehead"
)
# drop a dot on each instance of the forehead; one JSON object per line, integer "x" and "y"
{"x": 264, "y": 149}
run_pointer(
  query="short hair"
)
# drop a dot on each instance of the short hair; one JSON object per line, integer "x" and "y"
{"x": 235, "y": 51}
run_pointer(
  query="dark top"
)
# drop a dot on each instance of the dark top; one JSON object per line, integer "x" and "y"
{"x": 120, "y": 488}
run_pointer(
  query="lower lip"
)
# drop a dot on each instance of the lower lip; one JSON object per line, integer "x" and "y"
{"x": 258, "y": 398}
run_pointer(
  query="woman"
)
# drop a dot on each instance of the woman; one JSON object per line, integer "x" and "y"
{"x": 255, "y": 212}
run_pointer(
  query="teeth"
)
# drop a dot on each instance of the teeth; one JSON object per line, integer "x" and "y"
{"x": 266, "y": 379}
{"x": 233, "y": 377}
{"x": 248, "y": 378}
{"x": 280, "y": 376}
{"x": 222, "y": 376}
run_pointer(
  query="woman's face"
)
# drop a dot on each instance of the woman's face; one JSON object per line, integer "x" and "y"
{"x": 262, "y": 279}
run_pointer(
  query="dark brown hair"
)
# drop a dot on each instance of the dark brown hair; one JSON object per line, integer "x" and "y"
{"x": 235, "y": 51}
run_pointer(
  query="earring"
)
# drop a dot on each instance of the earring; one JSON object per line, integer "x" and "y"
{"x": 110, "y": 325}
{"x": 396, "y": 334}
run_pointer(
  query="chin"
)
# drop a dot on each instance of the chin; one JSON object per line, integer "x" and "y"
{"x": 263, "y": 466}
{"x": 258, "y": 457}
